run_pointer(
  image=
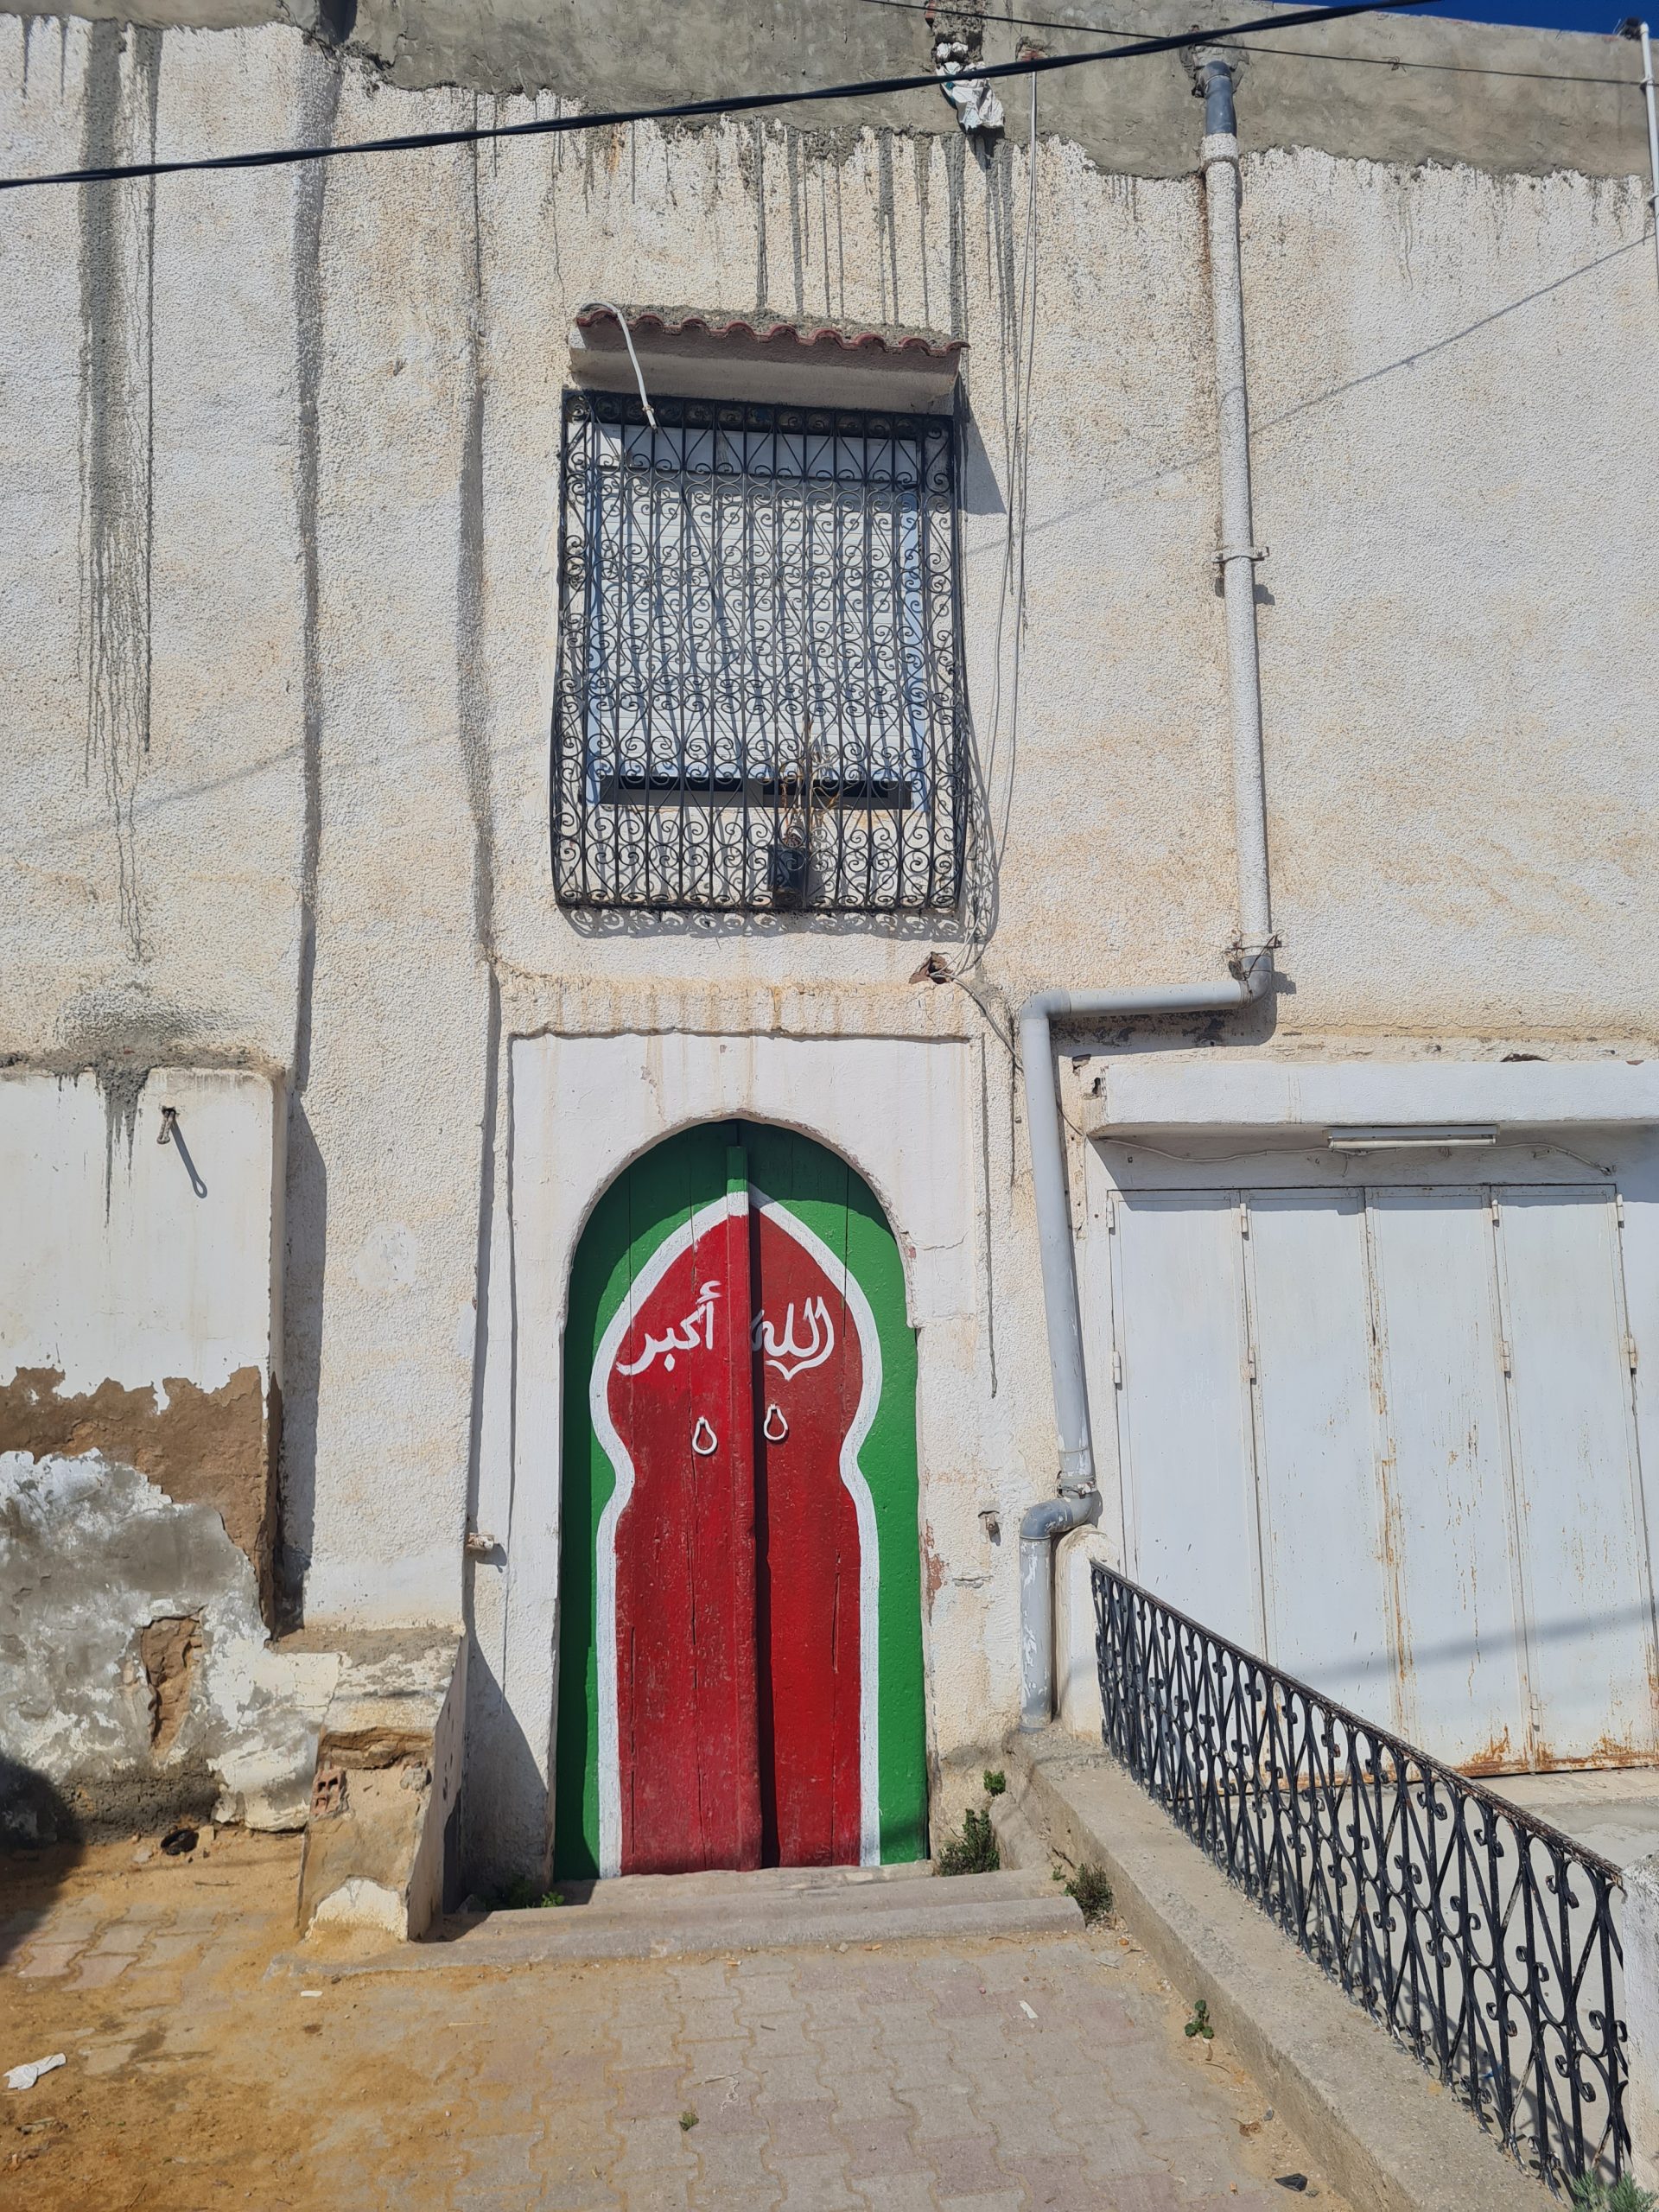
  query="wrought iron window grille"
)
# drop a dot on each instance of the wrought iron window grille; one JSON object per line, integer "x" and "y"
{"x": 759, "y": 698}
{"x": 1483, "y": 1939}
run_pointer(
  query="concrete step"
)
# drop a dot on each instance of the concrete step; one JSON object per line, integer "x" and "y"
{"x": 650, "y": 1892}
{"x": 666, "y": 1915}
{"x": 653, "y": 1915}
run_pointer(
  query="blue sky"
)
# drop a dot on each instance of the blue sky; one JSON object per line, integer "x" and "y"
{"x": 1546, "y": 14}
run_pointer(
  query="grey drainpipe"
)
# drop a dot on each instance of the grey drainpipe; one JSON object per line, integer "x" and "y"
{"x": 1250, "y": 959}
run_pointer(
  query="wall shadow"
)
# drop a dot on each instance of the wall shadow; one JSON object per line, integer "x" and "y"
{"x": 306, "y": 1240}
{"x": 502, "y": 1834}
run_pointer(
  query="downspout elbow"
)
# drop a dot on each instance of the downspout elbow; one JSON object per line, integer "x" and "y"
{"x": 1252, "y": 966}
{"x": 1039, "y": 1527}
{"x": 1056, "y": 1516}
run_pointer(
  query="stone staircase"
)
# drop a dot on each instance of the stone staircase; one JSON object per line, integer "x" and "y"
{"x": 666, "y": 1915}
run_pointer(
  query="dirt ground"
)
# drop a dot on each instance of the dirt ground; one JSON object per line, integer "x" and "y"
{"x": 210, "y": 2063}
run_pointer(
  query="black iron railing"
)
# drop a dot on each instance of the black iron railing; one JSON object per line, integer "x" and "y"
{"x": 759, "y": 701}
{"x": 1483, "y": 1939}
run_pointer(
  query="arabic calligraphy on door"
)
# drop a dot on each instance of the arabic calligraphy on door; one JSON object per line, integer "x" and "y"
{"x": 781, "y": 1348}
{"x": 783, "y": 1352}
{"x": 696, "y": 1330}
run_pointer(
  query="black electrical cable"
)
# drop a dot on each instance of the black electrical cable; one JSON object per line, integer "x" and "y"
{"x": 680, "y": 111}
{"x": 1290, "y": 53}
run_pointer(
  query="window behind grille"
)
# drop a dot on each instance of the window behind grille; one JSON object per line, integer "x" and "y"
{"x": 757, "y": 703}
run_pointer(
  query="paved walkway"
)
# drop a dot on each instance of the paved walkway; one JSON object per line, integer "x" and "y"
{"x": 960, "y": 2075}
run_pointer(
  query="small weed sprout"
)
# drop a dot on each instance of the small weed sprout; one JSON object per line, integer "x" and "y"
{"x": 1590, "y": 2193}
{"x": 1200, "y": 2024}
{"x": 688, "y": 2121}
{"x": 1093, "y": 1892}
{"x": 523, "y": 1895}
{"x": 972, "y": 1851}
{"x": 995, "y": 1782}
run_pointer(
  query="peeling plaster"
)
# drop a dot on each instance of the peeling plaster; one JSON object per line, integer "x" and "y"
{"x": 206, "y": 1447}
{"x": 94, "y": 1559}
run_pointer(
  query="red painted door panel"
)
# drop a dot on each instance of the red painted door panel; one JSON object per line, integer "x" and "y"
{"x": 809, "y": 1374}
{"x": 678, "y": 1395}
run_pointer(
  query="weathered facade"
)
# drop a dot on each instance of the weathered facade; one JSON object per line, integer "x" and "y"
{"x": 282, "y": 569}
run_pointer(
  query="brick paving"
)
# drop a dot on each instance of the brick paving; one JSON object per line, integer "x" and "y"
{"x": 924, "y": 2075}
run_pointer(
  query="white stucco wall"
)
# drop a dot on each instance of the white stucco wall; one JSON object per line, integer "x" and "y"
{"x": 140, "y": 1377}
{"x": 130, "y": 1261}
{"x": 295, "y": 465}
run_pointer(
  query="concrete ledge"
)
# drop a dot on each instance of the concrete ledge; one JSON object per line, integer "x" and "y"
{"x": 388, "y": 1778}
{"x": 1171, "y": 1093}
{"x": 1391, "y": 2138}
{"x": 1019, "y": 1846}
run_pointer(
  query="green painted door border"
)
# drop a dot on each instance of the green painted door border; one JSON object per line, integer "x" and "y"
{"x": 649, "y": 1202}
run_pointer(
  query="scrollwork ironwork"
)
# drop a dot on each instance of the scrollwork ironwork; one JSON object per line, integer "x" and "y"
{"x": 758, "y": 700}
{"x": 1482, "y": 1938}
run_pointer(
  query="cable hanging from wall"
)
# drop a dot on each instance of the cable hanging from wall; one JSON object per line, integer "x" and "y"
{"x": 1020, "y": 340}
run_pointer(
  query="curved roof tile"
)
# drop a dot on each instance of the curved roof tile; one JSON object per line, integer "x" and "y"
{"x": 674, "y": 323}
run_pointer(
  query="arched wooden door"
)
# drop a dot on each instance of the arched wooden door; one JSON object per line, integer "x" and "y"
{"x": 740, "y": 1620}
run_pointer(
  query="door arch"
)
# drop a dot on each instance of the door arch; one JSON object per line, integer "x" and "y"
{"x": 740, "y": 1667}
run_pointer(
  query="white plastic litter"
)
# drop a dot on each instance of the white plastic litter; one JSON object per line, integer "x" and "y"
{"x": 25, "y": 2077}
{"x": 1026, "y": 2009}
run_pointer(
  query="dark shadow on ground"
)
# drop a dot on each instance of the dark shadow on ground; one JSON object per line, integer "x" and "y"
{"x": 40, "y": 1845}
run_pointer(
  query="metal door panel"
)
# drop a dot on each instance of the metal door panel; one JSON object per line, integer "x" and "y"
{"x": 1582, "y": 1550}
{"x": 1446, "y": 1476}
{"x": 1325, "y": 1594}
{"x": 1639, "y": 1252}
{"x": 1187, "y": 1446}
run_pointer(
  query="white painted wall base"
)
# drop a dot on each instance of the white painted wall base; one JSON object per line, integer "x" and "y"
{"x": 1640, "y": 1936}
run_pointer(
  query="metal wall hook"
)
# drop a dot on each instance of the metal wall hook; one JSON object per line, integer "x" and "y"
{"x": 173, "y": 1135}
{"x": 775, "y": 1435}
{"x": 701, "y": 1432}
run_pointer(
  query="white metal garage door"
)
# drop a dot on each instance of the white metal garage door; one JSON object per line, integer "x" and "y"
{"x": 1386, "y": 1436}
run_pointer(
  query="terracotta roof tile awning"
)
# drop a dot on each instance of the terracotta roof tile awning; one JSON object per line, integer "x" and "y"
{"x": 707, "y": 353}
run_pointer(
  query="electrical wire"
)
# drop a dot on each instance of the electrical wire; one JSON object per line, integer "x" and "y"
{"x": 1290, "y": 53}
{"x": 621, "y": 322}
{"x": 681, "y": 111}
{"x": 1012, "y": 593}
